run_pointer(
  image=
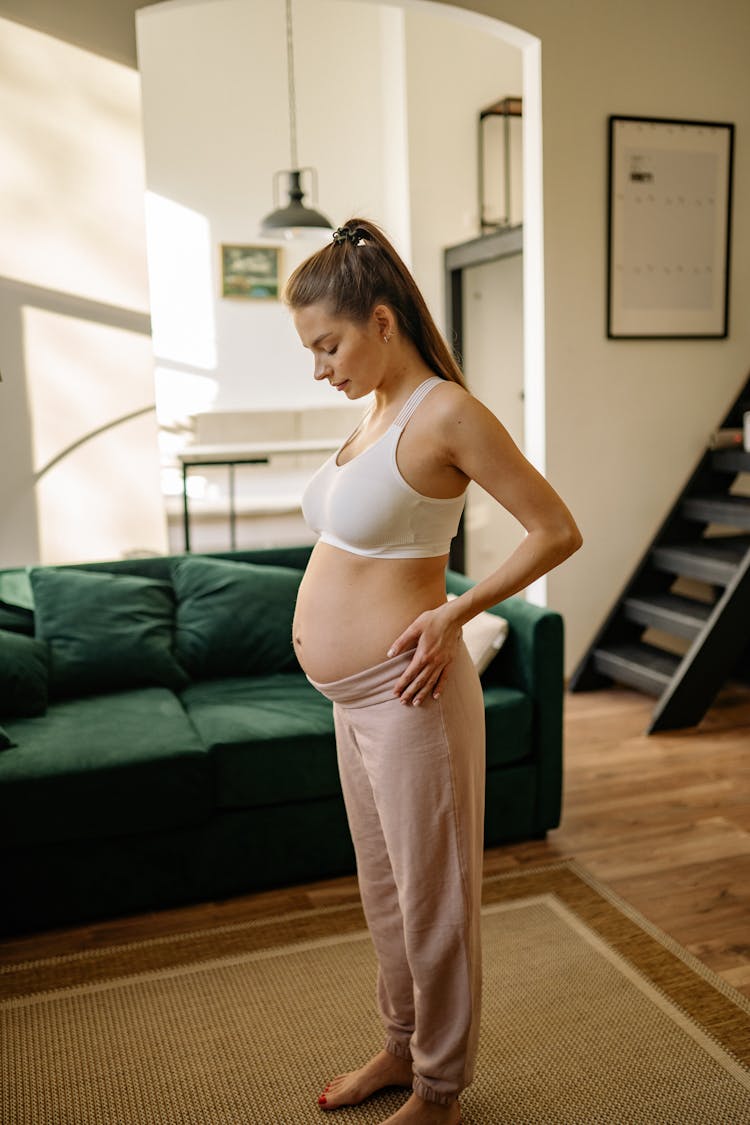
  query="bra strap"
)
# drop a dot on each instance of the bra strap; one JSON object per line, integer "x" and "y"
{"x": 414, "y": 400}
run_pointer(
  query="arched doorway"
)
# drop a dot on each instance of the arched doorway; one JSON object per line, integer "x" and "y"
{"x": 235, "y": 128}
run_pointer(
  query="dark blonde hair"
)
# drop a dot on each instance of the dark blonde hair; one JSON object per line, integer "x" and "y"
{"x": 359, "y": 270}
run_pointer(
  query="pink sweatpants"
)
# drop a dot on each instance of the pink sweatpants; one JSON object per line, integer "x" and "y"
{"x": 413, "y": 783}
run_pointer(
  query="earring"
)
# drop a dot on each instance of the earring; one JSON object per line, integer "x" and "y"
{"x": 386, "y": 338}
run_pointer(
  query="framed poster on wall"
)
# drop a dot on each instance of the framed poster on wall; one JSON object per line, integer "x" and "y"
{"x": 251, "y": 272}
{"x": 670, "y": 201}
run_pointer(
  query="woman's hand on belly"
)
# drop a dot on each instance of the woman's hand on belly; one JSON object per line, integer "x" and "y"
{"x": 436, "y": 634}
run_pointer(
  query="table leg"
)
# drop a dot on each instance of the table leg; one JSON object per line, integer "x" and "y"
{"x": 232, "y": 513}
{"x": 185, "y": 510}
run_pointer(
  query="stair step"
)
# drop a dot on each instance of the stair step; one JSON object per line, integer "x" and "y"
{"x": 679, "y": 616}
{"x": 734, "y": 511}
{"x": 641, "y": 666}
{"x": 730, "y": 461}
{"x": 705, "y": 536}
{"x": 709, "y": 560}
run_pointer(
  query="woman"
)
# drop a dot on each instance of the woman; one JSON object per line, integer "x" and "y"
{"x": 374, "y": 632}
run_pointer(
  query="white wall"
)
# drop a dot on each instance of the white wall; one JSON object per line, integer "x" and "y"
{"x": 74, "y": 327}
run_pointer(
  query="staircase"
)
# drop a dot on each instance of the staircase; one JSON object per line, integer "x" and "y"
{"x": 692, "y": 587}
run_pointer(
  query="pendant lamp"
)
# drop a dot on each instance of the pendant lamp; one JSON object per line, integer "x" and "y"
{"x": 294, "y": 217}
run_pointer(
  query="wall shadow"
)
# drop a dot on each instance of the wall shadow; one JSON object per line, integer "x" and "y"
{"x": 19, "y": 512}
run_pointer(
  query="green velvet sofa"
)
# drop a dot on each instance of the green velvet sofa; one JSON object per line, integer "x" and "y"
{"x": 162, "y": 745}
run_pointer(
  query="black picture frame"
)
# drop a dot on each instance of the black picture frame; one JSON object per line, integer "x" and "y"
{"x": 669, "y": 228}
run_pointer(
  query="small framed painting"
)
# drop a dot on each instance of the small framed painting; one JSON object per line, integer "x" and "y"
{"x": 670, "y": 209}
{"x": 250, "y": 272}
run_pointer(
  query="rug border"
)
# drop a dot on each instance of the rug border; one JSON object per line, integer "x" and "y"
{"x": 178, "y": 936}
{"x": 569, "y": 865}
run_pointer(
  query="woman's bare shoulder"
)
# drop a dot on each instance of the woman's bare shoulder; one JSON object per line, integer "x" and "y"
{"x": 454, "y": 406}
{"x": 447, "y": 398}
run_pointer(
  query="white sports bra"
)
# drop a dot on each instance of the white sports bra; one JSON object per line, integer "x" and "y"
{"x": 365, "y": 506}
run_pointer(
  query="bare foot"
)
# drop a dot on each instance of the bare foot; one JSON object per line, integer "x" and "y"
{"x": 383, "y": 1070}
{"x": 419, "y": 1112}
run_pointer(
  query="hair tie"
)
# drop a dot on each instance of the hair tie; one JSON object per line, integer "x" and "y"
{"x": 354, "y": 235}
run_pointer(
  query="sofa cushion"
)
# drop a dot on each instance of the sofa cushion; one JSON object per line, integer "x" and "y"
{"x": 24, "y": 675}
{"x": 271, "y": 738}
{"x": 234, "y": 618}
{"x": 108, "y": 765}
{"x": 508, "y": 715}
{"x": 105, "y": 632}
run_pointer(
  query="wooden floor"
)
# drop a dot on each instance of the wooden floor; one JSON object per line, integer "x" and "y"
{"x": 664, "y": 820}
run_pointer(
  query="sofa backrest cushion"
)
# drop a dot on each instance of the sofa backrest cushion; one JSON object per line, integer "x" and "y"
{"x": 24, "y": 676}
{"x": 234, "y": 618}
{"x": 105, "y": 631}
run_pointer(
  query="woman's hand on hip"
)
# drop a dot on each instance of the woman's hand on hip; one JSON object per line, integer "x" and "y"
{"x": 436, "y": 635}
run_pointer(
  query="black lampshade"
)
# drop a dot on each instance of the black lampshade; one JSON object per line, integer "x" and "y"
{"x": 295, "y": 214}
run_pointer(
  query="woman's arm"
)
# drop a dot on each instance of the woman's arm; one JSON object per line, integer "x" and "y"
{"x": 478, "y": 444}
{"x": 475, "y": 442}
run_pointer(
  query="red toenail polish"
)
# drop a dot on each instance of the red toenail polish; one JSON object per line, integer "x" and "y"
{"x": 322, "y": 1100}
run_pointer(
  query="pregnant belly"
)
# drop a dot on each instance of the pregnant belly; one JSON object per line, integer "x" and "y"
{"x": 350, "y": 609}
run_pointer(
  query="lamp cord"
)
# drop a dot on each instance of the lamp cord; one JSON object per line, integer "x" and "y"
{"x": 290, "y": 77}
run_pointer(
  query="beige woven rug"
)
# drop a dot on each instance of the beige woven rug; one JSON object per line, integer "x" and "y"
{"x": 591, "y": 1015}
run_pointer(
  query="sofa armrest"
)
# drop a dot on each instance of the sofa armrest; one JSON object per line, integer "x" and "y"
{"x": 531, "y": 660}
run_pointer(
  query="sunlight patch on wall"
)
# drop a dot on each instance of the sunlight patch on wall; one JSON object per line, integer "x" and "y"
{"x": 181, "y": 273}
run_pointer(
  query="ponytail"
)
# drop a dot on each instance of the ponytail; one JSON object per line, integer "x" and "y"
{"x": 358, "y": 270}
